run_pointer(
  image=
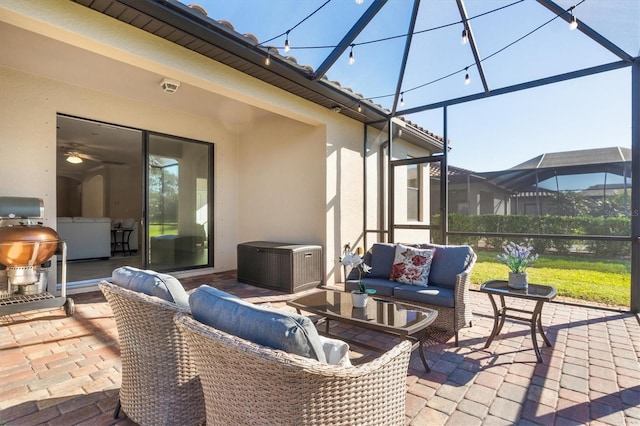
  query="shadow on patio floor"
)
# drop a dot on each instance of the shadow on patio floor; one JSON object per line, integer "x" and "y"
{"x": 66, "y": 371}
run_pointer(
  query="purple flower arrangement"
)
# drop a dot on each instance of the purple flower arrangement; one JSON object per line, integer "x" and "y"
{"x": 517, "y": 257}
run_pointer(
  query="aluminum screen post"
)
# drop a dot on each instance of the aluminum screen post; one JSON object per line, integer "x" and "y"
{"x": 444, "y": 183}
{"x": 635, "y": 186}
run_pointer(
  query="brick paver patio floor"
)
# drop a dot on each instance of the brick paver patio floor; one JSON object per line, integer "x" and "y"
{"x": 60, "y": 370}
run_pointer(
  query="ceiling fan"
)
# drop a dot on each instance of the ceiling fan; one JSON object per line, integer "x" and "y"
{"x": 76, "y": 157}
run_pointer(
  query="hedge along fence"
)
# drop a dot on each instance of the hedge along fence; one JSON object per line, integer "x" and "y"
{"x": 559, "y": 225}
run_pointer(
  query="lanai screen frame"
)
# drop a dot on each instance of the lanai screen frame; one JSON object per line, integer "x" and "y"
{"x": 635, "y": 149}
{"x": 626, "y": 61}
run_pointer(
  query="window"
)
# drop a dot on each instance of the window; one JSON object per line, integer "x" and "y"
{"x": 413, "y": 192}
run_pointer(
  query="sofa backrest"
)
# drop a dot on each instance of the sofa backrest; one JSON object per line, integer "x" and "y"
{"x": 151, "y": 283}
{"x": 448, "y": 261}
{"x": 278, "y": 329}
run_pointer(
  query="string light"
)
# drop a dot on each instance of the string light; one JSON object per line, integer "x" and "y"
{"x": 287, "y": 47}
{"x": 267, "y": 60}
{"x": 359, "y": 108}
{"x": 574, "y": 22}
{"x": 465, "y": 39}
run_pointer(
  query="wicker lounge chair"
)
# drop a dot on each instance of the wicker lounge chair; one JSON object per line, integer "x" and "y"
{"x": 247, "y": 384}
{"x": 160, "y": 383}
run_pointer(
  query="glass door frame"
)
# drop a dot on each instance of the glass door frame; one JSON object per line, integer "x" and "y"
{"x": 146, "y": 246}
{"x": 386, "y": 190}
{"x": 392, "y": 226}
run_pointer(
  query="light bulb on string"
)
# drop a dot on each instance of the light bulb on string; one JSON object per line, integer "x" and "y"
{"x": 267, "y": 60}
{"x": 574, "y": 22}
{"x": 359, "y": 108}
{"x": 287, "y": 47}
{"x": 465, "y": 36}
{"x": 467, "y": 79}
{"x": 401, "y": 98}
{"x": 352, "y": 58}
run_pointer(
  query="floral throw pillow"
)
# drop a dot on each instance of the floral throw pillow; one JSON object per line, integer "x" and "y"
{"x": 411, "y": 265}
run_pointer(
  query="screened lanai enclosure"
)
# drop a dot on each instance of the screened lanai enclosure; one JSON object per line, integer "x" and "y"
{"x": 472, "y": 90}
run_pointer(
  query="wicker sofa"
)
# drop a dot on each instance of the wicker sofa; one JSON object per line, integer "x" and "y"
{"x": 160, "y": 382}
{"x": 448, "y": 283}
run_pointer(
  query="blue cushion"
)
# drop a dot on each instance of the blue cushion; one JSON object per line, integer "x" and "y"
{"x": 432, "y": 295}
{"x": 448, "y": 261}
{"x": 382, "y": 286}
{"x": 151, "y": 283}
{"x": 265, "y": 326}
{"x": 382, "y": 255}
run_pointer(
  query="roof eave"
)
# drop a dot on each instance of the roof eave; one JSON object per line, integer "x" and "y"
{"x": 244, "y": 55}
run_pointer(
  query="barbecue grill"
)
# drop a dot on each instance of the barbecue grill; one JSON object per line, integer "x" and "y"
{"x": 26, "y": 249}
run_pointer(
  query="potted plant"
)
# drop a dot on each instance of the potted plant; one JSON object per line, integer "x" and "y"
{"x": 517, "y": 258}
{"x": 358, "y": 297}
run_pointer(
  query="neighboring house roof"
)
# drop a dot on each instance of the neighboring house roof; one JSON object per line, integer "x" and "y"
{"x": 577, "y": 158}
{"x": 192, "y": 28}
{"x": 525, "y": 176}
{"x": 521, "y": 180}
{"x": 435, "y": 171}
{"x": 458, "y": 175}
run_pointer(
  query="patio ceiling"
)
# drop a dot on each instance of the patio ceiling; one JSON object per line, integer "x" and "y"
{"x": 411, "y": 53}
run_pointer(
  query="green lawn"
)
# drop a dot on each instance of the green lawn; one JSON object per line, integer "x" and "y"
{"x": 588, "y": 279}
{"x": 166, "y": 229}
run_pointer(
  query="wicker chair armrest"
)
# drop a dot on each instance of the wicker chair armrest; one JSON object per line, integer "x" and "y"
{"x": 463, "y": 314}
{"x": 106, "y": 286}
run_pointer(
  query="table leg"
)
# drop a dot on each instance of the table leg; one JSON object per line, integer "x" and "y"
{"x": 536, "y": 322}
{"x": 421, "y": 350}
{"x": 126, "y": 236}
{"x": 496, "y": 320}
{"x": 503, "y": 314}
{"x": 544, "y": 336}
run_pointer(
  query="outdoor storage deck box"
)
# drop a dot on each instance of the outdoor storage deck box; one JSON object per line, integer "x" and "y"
{"x": 280, "y": 266}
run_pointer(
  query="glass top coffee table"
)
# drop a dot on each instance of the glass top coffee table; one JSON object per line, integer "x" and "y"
{"x": 381, "y": 314}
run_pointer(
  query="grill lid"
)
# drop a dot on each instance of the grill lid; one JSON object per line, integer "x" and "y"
{"x": 21, "y": 207}
{"x": 27, "y": 245}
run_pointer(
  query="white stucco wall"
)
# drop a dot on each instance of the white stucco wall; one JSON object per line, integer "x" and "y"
{"x": 28, "y": 107}
{"x": 285, "y": 168}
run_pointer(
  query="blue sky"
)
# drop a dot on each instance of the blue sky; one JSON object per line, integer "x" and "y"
{"x": 493, "y": 133}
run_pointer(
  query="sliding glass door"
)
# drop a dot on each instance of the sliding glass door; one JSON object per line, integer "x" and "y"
{"x": 178, "y": 202}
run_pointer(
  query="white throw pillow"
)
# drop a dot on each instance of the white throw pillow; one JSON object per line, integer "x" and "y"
{"x": 336, "y": 351}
